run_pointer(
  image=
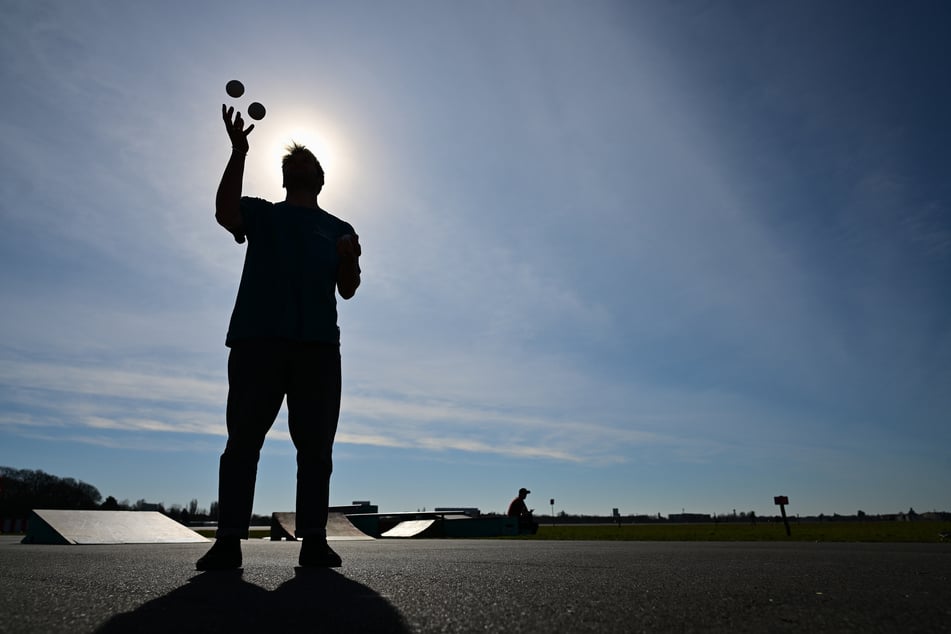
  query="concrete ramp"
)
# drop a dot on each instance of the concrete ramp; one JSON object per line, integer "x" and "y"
{"x": 106, "y": 527}
{"x": 283, "y": 526}
{"x": 339, "y": 528}
{"x": 469, "y": 527}
{"x": 414, "y": 528}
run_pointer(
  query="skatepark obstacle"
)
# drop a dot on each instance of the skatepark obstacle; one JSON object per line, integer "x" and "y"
{"x": 47, "y": 526}
{"x": 284, "y": 525}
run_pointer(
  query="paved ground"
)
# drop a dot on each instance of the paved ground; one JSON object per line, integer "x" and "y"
{"x": 478, "y": 585}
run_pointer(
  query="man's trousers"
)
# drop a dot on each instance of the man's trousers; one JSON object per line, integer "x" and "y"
{"x": 260, "y": 374}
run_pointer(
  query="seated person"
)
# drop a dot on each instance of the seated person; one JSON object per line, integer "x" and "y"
{"x": 526, "y": 523}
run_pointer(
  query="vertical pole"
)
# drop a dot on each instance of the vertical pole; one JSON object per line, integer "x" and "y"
{"x": 782, "y": 509}
{"x": 553, "y": 512}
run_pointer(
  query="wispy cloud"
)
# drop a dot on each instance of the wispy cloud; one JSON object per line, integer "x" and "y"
{"x": 74, "y": 398}
{"x": 166, "y": 384}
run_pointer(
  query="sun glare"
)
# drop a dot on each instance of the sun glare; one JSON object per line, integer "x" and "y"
{"x": 314, "y": 142}
{"x": 318, "y": 138}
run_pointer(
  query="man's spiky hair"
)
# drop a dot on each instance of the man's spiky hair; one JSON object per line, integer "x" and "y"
{"x": 300, "y": 148}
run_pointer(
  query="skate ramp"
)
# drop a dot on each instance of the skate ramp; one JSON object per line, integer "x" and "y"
{"x": 414, "y": 528}
{"x": 470, "y": 527}
{"x": 106, "y": 527}
{"x": 283, "y": 526}
{"x": 339, "y": 528}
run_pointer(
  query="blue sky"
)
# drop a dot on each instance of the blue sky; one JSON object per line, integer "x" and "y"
{"x": 651, "y": 256}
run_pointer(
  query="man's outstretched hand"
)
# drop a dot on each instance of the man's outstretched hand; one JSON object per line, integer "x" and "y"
{"x": 236, "y": 129}
{"x": 348, "y": 247}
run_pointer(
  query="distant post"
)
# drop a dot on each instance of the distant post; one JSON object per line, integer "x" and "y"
{"x": 552, "y": 501}
{"x": 617, "y": 517}
{"x": 781, "y": 501}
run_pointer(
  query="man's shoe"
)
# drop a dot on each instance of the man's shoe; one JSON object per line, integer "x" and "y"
{"x": 225, "y": 554}
{"x": 316, "y": 553}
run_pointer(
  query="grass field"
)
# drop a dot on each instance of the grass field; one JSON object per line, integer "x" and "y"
{"x": 254, "y": 533}
{"x": 922, "y": 532}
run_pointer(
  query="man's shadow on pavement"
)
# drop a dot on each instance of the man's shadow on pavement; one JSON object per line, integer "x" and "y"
{"x": 313, "y": 601}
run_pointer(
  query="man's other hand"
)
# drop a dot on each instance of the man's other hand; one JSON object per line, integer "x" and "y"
{"x": 348, "y": 246}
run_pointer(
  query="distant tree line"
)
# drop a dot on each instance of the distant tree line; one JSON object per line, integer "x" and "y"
{"x": 735, "y": 517}
{"x": 185, "y": 514}
{"x": 22, "y": 490}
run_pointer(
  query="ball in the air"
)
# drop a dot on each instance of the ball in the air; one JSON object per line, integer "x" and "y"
{"x": 234, "y": 88}
{"x": 256, "y": 111}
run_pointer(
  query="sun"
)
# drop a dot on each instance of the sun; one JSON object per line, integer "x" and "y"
{"x": 317, "y": 136}
{"x": 312, "y": 140}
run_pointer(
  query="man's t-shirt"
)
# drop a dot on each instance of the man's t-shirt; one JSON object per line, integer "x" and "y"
{"x": 289, "y": 280}
{"x": 517, "y": 508}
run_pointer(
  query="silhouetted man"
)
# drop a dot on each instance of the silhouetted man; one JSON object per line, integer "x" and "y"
{"x": 518, "y": 509}
{"x": 284, "y": 341}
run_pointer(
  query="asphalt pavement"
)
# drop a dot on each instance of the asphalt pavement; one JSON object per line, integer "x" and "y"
{"x": 481, "y": 585}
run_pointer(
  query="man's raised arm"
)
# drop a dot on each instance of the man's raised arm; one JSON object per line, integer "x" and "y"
{"x": 228, "y": 199}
